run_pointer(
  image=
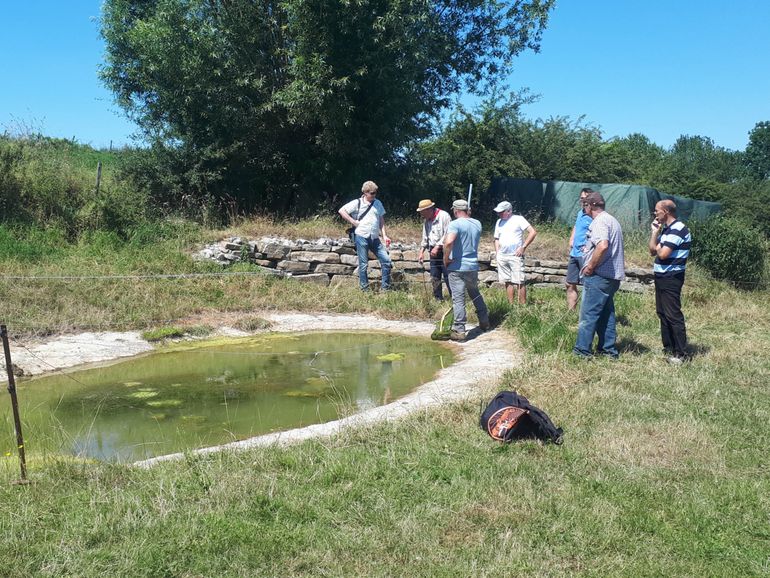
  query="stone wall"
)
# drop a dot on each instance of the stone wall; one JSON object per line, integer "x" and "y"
{"x": 334, "y": 262}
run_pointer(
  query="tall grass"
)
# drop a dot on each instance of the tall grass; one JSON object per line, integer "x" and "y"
{"x": 52, "y": 183}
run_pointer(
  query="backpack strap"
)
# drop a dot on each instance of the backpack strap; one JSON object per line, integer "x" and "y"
{"x": 369, "y": 208}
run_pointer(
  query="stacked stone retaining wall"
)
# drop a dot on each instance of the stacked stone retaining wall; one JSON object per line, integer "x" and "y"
{"x": 334, "y": 262}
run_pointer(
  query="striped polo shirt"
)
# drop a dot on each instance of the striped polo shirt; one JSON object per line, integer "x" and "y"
{"x": 677, "y": 237}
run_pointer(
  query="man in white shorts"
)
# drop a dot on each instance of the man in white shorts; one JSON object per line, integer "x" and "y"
{"x": 509, "y": 247}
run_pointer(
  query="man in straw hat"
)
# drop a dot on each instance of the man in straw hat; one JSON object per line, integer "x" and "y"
{"x": 434, "y": 228}
{"x": 461, "y": 251}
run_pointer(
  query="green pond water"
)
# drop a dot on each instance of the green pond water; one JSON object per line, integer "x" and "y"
{"x": 214, "y": 393}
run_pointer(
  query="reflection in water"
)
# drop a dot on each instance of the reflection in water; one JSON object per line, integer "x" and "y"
{"x": 176, "y": 400}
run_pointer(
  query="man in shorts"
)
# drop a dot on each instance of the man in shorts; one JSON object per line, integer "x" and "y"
{"x": 577, "y": 241}
{"x": 509, "y": 247}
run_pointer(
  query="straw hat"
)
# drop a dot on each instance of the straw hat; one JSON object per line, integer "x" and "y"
{"x": 425, "y": 204}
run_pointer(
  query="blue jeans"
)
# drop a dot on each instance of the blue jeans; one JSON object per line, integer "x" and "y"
{"x": 597, "y": 317}
{"x": 459, "y": 283}
{"x": 363, "y": 246}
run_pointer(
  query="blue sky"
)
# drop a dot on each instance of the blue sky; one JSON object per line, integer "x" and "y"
{"x": 662, "y": 68}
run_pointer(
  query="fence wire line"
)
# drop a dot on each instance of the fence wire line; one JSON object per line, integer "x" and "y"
{"x": 133, "y": 277}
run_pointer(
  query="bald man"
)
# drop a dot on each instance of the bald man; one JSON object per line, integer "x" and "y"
{"x": 670, "y": 245}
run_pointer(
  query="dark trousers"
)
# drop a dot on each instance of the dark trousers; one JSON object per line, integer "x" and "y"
{"x": 668, "y": 305}
{"x": 438, "y": 273}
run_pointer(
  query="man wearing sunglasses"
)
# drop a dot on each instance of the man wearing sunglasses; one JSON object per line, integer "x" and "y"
{"x": 577, "y": 241}
{"x": 367, "y": 215}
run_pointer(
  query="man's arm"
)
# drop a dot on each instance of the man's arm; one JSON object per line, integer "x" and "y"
{"x": 382, "y": 229}
{"x": 572, "y": 238}
{"x": 346, "y": 216}
{"x": 596, "y": 258}
{"x": 449, "y": 241}
{"x": 653, "y": 244}
{"x": 658, "y": 249}
{"x": 530, "y": 237}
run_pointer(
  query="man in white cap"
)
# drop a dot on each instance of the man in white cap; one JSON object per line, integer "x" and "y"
{"x": 461, "y": 259}
{"x": 510, "y": 246}
{"x": 434, "y": 228}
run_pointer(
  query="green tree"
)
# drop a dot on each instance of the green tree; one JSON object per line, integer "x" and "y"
{"x": 697, "y": 168}
{"x": 757, "y": 155}
{"x": 284, "y": 103}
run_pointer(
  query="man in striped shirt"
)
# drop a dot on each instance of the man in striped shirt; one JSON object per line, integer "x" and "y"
{"x": 670, "y": 245}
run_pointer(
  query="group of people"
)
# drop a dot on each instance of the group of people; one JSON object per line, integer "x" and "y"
{"x": 596, "y": 261}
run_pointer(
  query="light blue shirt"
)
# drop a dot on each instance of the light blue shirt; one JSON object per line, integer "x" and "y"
{"x": 582, "y": 222}
{"x": 465, "y": 249}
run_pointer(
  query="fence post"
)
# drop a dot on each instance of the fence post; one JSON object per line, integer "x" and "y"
{"x": 98, "y": 176}
{"x": 14, "y": 402}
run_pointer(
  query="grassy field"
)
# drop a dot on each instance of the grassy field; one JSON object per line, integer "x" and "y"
{"x": 663, "y": 471}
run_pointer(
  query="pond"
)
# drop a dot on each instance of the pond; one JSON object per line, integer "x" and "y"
{"x": 212, "y": 393}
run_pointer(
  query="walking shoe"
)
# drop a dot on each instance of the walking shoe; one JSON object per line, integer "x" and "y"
{"x": 484, "y": 325}
{"x": 457, "y": 336}
{"x": 674, "y": 360}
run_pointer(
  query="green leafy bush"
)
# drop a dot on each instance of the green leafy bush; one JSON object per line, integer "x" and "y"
{"x": 729, "y": 248}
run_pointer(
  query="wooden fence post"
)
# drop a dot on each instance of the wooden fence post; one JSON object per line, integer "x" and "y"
{"x": 14, "y": 402}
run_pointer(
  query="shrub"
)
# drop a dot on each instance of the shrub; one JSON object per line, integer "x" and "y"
{"x": 729, "y": 248}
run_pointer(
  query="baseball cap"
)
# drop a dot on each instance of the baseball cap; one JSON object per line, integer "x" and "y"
{"x": 503, "y": 206}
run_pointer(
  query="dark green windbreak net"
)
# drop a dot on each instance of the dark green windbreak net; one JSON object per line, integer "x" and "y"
{"x": 631, "y": 205}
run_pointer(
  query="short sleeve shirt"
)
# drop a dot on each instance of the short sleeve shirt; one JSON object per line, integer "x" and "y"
{"x": 582, "y": 222}
{"x": 605, "y": 227}
{"x": 465, "y": 249}
{"x": 677, "y": 238}
{"x": 369, "y": 226}
{"x": 510, "y": 233}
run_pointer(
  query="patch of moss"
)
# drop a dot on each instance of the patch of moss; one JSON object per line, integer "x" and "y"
{"x": 165, "y": 403}
{"x": 391, "y": 357}
{"x": 161, "y": 333}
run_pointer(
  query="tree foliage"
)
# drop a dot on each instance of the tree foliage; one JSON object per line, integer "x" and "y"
{"x": 283, "y": 103}
{"x": 496, "y": 140}
{"x": 757, "y": 156}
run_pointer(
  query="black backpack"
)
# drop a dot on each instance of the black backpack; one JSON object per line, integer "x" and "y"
{"x": 510, "y": 416}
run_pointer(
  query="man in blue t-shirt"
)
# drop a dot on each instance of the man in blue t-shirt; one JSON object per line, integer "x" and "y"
{"x": 670, "y": 245}
{"x": 577, "y": 241}
{"x": 461, "y": 252}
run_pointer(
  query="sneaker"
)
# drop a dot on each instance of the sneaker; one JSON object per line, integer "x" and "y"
{"x": 674, "y": 360}
{"x": 484, "y": 325}
{"x": 607, "y": 355}
{"x": 457, "y": 336}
